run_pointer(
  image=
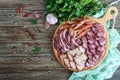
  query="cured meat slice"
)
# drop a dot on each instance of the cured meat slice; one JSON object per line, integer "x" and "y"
{"x": 90, "y": 56}
{"x": 77, "y": 51}
{"x": 100, "y": 34}
{"x": 93, "y": 29}
{"x": 90, "y": 33}
{"x": 70, "y": 57}
{"x": 73, "y": 65}
{"x": 64, "y": 33}
{"x": 68, "y": 39}
{"x": 96, "y": 43}
{"x": 98, "y": 27}
{"x": 78, "y": 60}
{"x": 91, "y": 41}
{"x": 80, "y": 67}
{"x": 78, "y": 41}
{"x": 62, "y": 57}
{"x": 71, "y": 22}
{"x": 81, "y": 49}
{"x": 71, "y": 52}
{"x": 88, "y": 53}
{"x": 67, "y": 63}
{"x": 87, "y": 64}
{"x": 96, "y": 57}
{"x": 92, "y": 46}
{"x": 102, "y": 41}
{"x": 81, "y": 23}
{"x": 71, "y": 32}
{"x": 84, "y": 45}
{"x": 90, "y": 61}
{"x": 73, "y": 42}
{"x": 100, "y": 49}
{"x": 93, "y": 51}
{"x": 84, "y": 39}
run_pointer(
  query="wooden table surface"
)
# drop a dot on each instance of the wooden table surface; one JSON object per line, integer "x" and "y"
{"x": 17, "y": 60}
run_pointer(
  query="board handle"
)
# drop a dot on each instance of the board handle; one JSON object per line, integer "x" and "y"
{"x": 111, "y": 13}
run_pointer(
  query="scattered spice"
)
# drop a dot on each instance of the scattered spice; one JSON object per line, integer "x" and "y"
{"x": 37, "y": 16}
{"x": 47, "y": 25}
{"x": 36, "y": 49}
{"x": 30, "y": 34}
{"x": 28, "y": 14}
{"x": 33, "y": 21}
{"x": 20, "y": 9}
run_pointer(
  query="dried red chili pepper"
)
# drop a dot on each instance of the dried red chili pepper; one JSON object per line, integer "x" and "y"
{"x": 28, "y": 14}
{"x": 29, "y": 33}
{"x": 20, "y": 9}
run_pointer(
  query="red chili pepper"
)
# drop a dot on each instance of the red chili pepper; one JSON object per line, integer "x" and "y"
{"x": 29, "y": 33}
{"x": 20, "y": 9}
{"x": 28, "y": 14}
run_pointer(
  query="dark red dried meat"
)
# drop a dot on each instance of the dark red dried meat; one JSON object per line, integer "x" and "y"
{"x": 98, "y": 27}
{"x": 96, "y": 57}
{"x": 102, "y": 41}
{"x": 96, "y": 43}
{"x": 84, "y": 45}
{"x": 93, "y": 29}
{"x": 84, "y": 39}
{"x": 91, "y": 61}
{"x": 91, "y": 46}
{"x": 100, "y": 34}
{"x": 90, "y": 33}
{"x": 91, "y": 41}
{"x": 93, "y": 51}
{"x": 88, "y": 52}
{"x": 79, "y": 41}
{"x": 100, "y": 49}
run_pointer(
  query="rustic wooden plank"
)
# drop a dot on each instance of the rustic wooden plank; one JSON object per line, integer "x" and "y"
{"x": 40, "y": 75}
{"x": 30, "y": 66}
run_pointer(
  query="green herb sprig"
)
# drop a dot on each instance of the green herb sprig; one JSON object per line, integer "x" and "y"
{"x": 70, "y": 9}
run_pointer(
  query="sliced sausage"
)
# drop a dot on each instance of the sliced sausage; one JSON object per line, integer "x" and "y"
{"x": 93, "y": 51}
{"x": 87, "y": 64}
{"x": 100, "y": 49}
{"x": 85, "y": 46}
{"x": 102, "y": 41}
{"x": 90, "y": 61}
{"x": 90, "y": 33}
{"x": 96, "y": 43}
{"x": 91, "y": 41}
{"x": 88, "y": 52}
{"x": 100, "y": 34}
{"x": 78, "y": 41}
{"x": 92, "y": 46}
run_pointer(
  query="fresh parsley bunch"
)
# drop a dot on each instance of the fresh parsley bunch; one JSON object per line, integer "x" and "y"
{"x": 70, "y": 9}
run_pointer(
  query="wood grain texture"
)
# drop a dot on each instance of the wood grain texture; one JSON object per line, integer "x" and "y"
{"x": 17, "y": 60}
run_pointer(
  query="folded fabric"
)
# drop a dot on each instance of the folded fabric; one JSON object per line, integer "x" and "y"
{"x": 112, "y": 61}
